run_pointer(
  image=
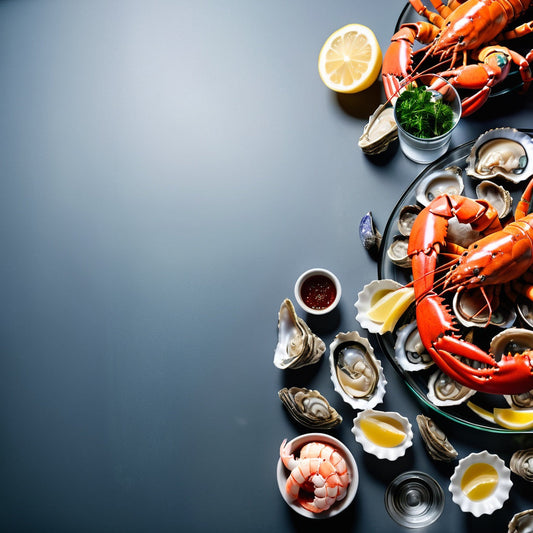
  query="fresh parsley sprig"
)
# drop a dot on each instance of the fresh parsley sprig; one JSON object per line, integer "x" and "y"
{"x": 421, "y": 115}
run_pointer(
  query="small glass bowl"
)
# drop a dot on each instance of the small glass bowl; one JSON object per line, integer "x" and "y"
{"x": 305, "y": 277}
{"x": 495, "y": 499}
{"x": 283, "y": 473}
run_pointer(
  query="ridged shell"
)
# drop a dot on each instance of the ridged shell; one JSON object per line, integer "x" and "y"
{"x": 380, "y": 131}
{"x": 397, "y": 251}
{"x": 297, "y": 345}
{"x": 383, "y": 452}
{"x": 309, "y": 408}
{"x": 445, "y": 391}
{"x": 355, "y": 371}
{"x": 406, "y": 218}
{"x": 521, "y": 463}
{"x": 437, "y": 444}
{"x": 409, "y": 351}
{"x": 501, "y": 152}
{"x": 499, "y": 197}
{"x": 521, "y": 522}
{"x": 448, "y": 180}
{"x": 498, "y": 496}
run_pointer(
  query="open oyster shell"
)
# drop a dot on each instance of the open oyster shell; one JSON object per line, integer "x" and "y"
{"x": 356, "y": 373}
{"x": 437, "y": 444}
{"x": 409, "y": 351}
{"x": 521, "y": 463}
{"x": 501, "y": 152}
{"x": 297, "y": 345}
{"x": 380, "y": 131}
{"x": 499, "y": 197}
{"x": 397, "y": 251}
{"x": 448, "y": 180}
{"x": 382, "y": 450}
{"x": 309, "y": 408}
{"x": 496, "y": 498}
{"x": 521, "y": 522}
{"x": 445, "y": 391}
{"x": 406, "y": 218}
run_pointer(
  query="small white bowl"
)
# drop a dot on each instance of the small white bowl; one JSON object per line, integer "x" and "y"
{"x": 283, "y": 473}
{"x": 498, "y": 496}
{"x": 317, "y": 272}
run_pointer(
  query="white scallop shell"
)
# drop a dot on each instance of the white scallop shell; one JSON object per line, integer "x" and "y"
{"x": 379, "y": 388}
{"x": 440, "y": 376}
{"x": 382, "y": 452}
{"x": 368, "y": 296}
{"x": 492, "y": 502}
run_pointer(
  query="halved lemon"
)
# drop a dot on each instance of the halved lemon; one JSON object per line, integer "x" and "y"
{"x": 514, "y": 418}
{"x": 382, "y": 432}
{"x": 350, "y": 59}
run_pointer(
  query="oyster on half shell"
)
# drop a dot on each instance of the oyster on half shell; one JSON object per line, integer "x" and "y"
{"x": 309, "y": 408}
{"x": 397, "y": 251}
{"x": 521, "y": 463}
{"x": 356, "y": 373}
{"x": 380, "y": 131}
{"x": 410, "y": 352}
{"x": 445, "y": 391}
{"x": 448, "y": 180}
{"x": 437, "y": 444}
{"x": 297, "y": 345}
{"x": 497, "y": 196}
{"x": 501, "y": 152}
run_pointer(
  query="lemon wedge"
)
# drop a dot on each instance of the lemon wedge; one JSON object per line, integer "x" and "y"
{"x": 391, "y": 307}
{"x": 483, "y": 413}
{"x": 350, "y": 59}
{"x": 514, "y": 418}
{"x": 382, "y": 432}
{"x": 481, "y": 487}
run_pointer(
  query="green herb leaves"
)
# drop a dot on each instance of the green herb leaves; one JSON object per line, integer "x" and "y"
{"x": 421, "y": 115}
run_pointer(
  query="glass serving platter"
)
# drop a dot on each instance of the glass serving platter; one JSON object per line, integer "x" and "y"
{"x": 417, "y": 381}
{"x": 522, "y": 45}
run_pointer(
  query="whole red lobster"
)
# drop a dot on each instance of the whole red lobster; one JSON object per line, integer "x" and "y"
{"x": 459, "y": 32}
{"x": 499, "y": 257}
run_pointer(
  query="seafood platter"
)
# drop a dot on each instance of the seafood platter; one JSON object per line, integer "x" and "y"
{"x": 484, "y": 324}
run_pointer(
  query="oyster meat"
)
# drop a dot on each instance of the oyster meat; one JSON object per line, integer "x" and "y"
{"x": 409, "y": 350}
{"x": 497, "y": 196}
{"x": 406, "y": 218}
{"x": 297, "y": 345}
{"x": 521, "y": 463}
{"x": 397, "y": 251}
{"x": 380, "y": 131}
{"x": 445, "y": 391}
{"x": 501, "y": 152}
{"x": 356, "y": 373}
{"x": 309, "y": 408}
{"x": 521, "y": 522}
{"x": 437, "y": 444}
{"x": 448, "y": 180}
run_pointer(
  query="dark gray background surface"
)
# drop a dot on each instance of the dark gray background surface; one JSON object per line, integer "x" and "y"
{"x": 168, "y": 169}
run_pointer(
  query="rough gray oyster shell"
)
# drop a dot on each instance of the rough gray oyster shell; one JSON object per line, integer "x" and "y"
{"x": 437, "y": 444}
{"x": 521, "y": 522}
{"x": 521, "y": 463}
{"x": 309, "y": 408}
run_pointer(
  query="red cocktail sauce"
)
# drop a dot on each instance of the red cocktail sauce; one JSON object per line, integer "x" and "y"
{"x": 318, "y": 292}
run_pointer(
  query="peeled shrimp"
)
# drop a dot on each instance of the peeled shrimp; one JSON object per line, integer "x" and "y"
{"x": 318, "y": 474}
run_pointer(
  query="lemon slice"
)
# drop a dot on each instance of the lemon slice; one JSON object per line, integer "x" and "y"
{"x": 483, "y": 413}
{"x": 481, "y": 487}
{"x": 382, "y": 432}
{"x": 514, "y": 418}
{"x": 350, "y": 59}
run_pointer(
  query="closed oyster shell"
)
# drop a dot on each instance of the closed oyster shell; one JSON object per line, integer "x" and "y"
{"x": 437, "y": 444}
{"x": 355, "y": 371}
{"x": 499, "y": 197}
{"x": 369, "y": 235}
{"x": 521, "y": 463}
{"x": 409, "y": 351}
{"x": 448, "y": 180}
{"x": 309, "y": 408}
{"x": 501, "y": 152}
{"x": 521, "y": 522}
{"x": 380, "y": 131}
{"x": 445, "y": 391}
{"x": 297, "y": 345}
